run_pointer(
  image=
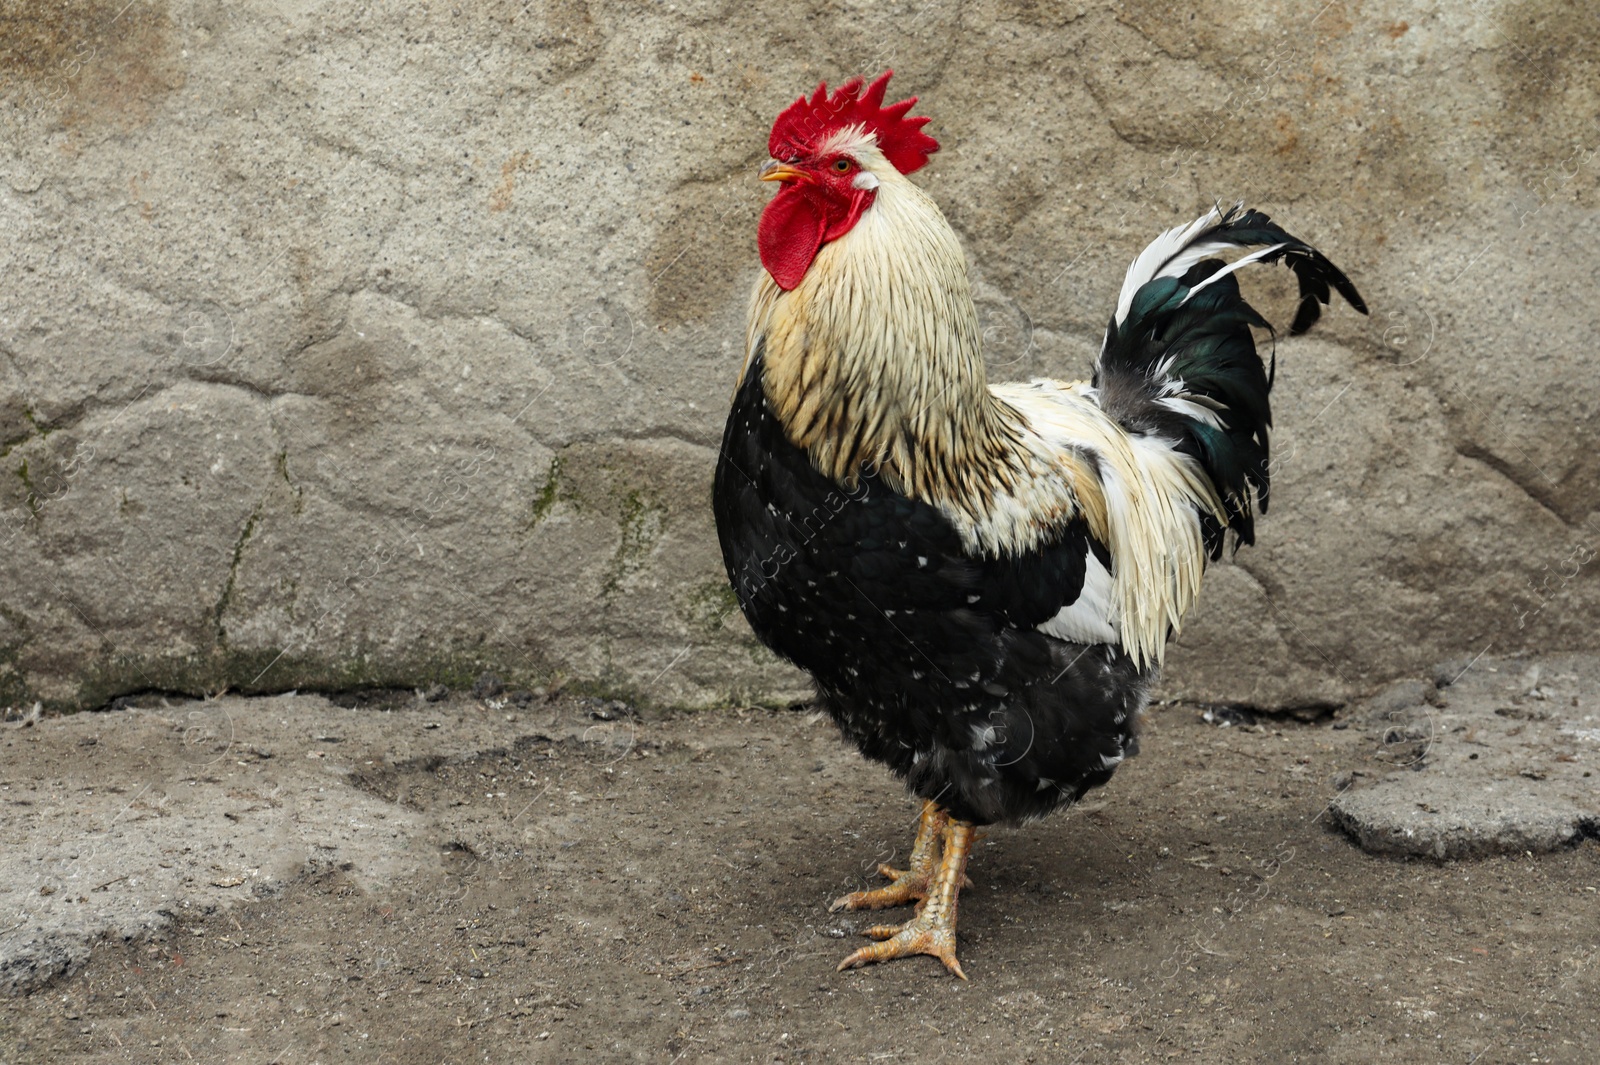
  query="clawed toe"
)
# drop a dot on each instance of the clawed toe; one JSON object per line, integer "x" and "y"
{"x": 917, "y": 936}
{"x": 933, "y": 929}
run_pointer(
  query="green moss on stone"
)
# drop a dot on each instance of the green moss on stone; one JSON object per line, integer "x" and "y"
{"x": 707, "y": 605}
{"x": 31, "y": 494}
{"x": 545, "y": 501}
{"x": 294, "y": 489}
{"x": 33, "y": 420}
{"x": 13, "y": 686}
{"x": 642, "y": 525}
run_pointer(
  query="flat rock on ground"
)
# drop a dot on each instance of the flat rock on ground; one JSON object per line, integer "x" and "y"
{"x": 1494, "y": 757}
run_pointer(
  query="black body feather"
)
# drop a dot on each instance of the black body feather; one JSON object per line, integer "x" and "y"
{"x": 926, "y": 656}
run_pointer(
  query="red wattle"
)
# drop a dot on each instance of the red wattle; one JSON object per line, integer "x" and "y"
{"x": 798, "y": 222}
{"x": 789, "y": 235}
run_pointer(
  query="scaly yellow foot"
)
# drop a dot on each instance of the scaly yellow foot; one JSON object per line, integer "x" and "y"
{"x": 910, "y": 884}
{"x": 933, "y": 929}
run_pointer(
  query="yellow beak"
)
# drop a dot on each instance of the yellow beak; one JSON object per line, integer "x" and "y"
{"x": 776, "y": 171}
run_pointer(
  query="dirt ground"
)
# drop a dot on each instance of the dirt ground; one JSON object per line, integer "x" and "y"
{"x": 602, "y": 886}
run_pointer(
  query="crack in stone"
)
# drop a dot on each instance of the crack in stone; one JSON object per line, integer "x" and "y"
{"x": 1544, "y": 498}
{"x": 1271, "y": 588}
{"x": 226, "y": 597}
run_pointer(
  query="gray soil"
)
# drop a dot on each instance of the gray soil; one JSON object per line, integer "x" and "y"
{"x": 505, "y": 880}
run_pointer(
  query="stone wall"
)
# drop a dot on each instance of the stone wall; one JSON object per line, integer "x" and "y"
{"x": 347, "y": 345}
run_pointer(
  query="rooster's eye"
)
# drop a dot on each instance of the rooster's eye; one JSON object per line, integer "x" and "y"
{"x": 841, "y": 165}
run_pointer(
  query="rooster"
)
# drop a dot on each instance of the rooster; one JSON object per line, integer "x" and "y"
{"x": 980, "y": 579}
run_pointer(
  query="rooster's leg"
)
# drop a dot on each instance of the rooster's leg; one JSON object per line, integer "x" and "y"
{"x": 909, "y": 884}
{"x": 933, "y": 929}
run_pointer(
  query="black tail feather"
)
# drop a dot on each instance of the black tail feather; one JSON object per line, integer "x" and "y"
{"x": 1312, "y": 269}
{"x": 1180, "y": 360}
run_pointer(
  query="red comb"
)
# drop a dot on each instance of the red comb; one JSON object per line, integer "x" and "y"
{"x": 806, "y": 123}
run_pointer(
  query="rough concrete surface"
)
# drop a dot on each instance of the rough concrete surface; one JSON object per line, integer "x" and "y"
{"x": 345, "y": 344}
{"x": 1501, "y": 758}
{"x": 111, "y": 820}
{"x": 510, "y": 878}
{"x": 201, "y": 802}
